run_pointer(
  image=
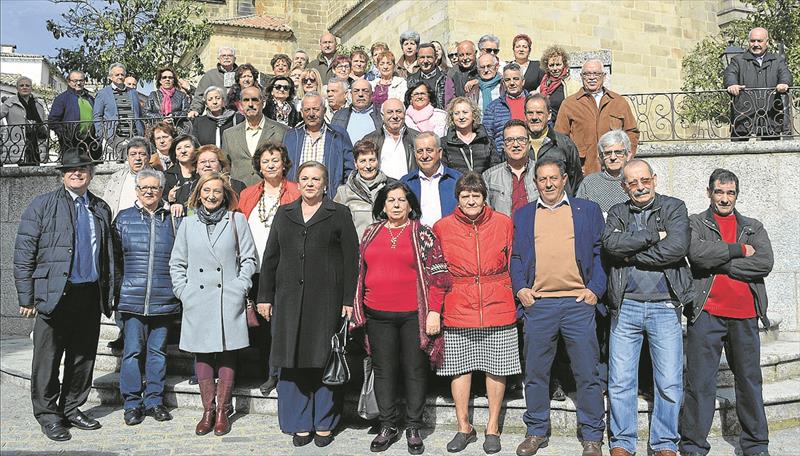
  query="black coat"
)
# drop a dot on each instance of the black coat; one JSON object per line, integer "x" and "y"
{"x": 320, "y": 255}
{"x": 270, "y": 112}
{"x": 409, "y": 136}
{"x": 480, "y": 152}
{"x": 205, "y": 128}
{"x": 533, "y": 76}
{"x": 43, "y": 250}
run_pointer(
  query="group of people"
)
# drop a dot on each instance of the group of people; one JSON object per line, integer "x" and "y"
{"x": 447, "y": 236}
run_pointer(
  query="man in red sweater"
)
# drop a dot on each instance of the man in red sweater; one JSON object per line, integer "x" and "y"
{"x": 730, "y": 255}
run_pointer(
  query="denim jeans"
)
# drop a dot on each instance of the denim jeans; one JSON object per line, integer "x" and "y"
{"x": 661, "y": 322}
{"x": 144, "y": 352}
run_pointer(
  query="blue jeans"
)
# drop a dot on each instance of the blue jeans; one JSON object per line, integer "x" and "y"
{"x": 144, "y": 352}
{"x": 662, "y": 324}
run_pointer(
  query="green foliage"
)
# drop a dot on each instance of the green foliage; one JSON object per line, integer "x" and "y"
{"x": 144, "y": 35}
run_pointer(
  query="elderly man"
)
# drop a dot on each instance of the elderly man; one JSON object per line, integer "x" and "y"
{"x": 466, "y": 71}
{"x": 327, "y": 52}
{"x": 224, "y": 75}
{"x": 433, "y": 183}
{"x": 407, "y": 63}
{"x": 360, "y": 118}
{"x": 509, "y": 105}
{"x": 557, "y": 275}
{"x": 71, "y": 116}
{"x": 300, "y": 59}
{"x": 490, "y": 44}
{"x": 316, "y": 140}
{"x": 752, "y": 78}
{"x": 120, "y": 191}
{"x": 117, "y": 111}
{"x": 604, "y": 188}
{"x": 646, "y": 239}
{"x": 730, "y": 255}
{"x": 27, "y": 138}
{"x": 545, "y": 142}
{"x": 510, "y": 184}
{"x": 585, "y": 115}
{"x": 441, "y": 85}
{"x": 395, "y": 141}
{"x": 336, "y": 94}
{"x": 487, "y": 88}
{"x": 63, "y": 265}
{"x": 241, "y": 141}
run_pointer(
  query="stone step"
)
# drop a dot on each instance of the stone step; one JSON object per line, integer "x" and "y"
{"x": 780, "y": 360}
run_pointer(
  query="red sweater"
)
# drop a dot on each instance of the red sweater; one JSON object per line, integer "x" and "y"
{"x": 517, "y": 106}
{"x": 729, "y": 297}
{"x": 390, "y": 284}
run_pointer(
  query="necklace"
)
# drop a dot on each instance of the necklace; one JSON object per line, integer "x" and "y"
{"x": 392, "y": 237}
{"x": 266, "y": 215}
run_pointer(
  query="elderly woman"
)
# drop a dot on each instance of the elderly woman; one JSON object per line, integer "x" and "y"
{"x": 26, "y": 141}
{"x": 400, "y": 260}
{"x": 342, "y": 66}
{"x": 210, "y": 159}
{"x": 375, "y": 50}
{"x": 211, "y": 265}
{"x": 161, "y": 135}
{"x": 421, "y": 115}
{"x": 531, "y": 72}
{"x": 480, "y": 332}
{"x": 407, "y": 63}
{"x": 467, "y": 146}
{"x": 363, "y": 184}
{"x": 359, "y": 62}
{"x": 556, "y": 83}
{"x": 143, "y": 238}
{"x": 280, "y": 63}
{"x": 387, "y": 85}
{"x": 167, "y": 101}
{"x": 246, "y": 76}
{"x": 310, "y": 81}
{"x": 209, "y": 127}
{"x": 312, "y": 245}
{"x": 279, "y": 103}
{"x": 182, "y": 152}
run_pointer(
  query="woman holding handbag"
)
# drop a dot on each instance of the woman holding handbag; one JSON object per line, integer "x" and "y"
{"x": 307, "y": 282}
{"x": 211, "y": 265}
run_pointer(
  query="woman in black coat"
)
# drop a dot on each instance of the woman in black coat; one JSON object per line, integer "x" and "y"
{"x": 308, "y": 280}
{"x": 467, "y": 146}
{"x": 279, "y": 103}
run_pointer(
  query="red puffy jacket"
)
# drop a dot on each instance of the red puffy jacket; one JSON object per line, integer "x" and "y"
{"x": 477, "y": 254}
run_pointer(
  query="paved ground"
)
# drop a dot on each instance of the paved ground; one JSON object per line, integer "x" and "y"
{"x": 251, "y": 434}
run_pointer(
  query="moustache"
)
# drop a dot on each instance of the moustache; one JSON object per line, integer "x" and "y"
{"x": 642, "y": 192}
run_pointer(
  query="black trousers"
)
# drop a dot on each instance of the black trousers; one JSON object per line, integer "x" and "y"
{"x": 71, "y": 332}
{"x": 394, "y": 339}
{"x": 705, "y": 339}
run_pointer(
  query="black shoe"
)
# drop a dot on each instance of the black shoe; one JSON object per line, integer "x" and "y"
{"x": 491, "y": 444}
{"x": 323, "y": 440}
{"x": 385, "y": 438}
{"x": 81, "y": 421}
{"x": 159, "y": 412}
{"x": 117, "y": 344}
{"x": 558, "y": 394}
{"x": 268, "y": 386}
{"x": 56, "y": 431}
{"x": 302, "y": 440}
{"x": 414, "y": 440}
{"x": 134, "y": 416}
{"x": 461, "y": 440}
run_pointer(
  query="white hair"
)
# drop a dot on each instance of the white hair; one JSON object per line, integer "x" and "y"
{"x": 226, "y": 48}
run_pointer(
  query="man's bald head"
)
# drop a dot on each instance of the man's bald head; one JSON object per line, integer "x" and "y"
{"x": 394, "y": 115}
{"x": 466, "y": 54}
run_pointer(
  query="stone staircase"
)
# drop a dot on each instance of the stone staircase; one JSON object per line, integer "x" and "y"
{"x": 780, "y": 365}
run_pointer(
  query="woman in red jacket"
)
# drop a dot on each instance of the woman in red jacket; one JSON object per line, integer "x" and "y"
{"x": 480, "y": 332}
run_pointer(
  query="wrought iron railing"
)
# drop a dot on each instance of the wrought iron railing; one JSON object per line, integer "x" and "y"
{"x": 716, "y": 115}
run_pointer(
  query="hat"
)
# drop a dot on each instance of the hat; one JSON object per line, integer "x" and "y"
{"x": 75, "y": 158}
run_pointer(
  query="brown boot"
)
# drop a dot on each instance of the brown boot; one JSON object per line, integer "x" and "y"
{"x": 208, "y": 389}
{"x": 223, "y": 424}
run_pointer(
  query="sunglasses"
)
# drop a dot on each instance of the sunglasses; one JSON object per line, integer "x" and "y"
{"x": 492, "y": 51}
{"x": 281, "y": 87}
{"x": 309, "y": 80}
{"x": 453, "y": 55}
{"x": 167, "y": 77}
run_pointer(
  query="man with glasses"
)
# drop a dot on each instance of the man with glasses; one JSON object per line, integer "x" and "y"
{"x": 117, "y": 113}
{"x": 614, "y": 151}
{"x": 646, "y": 240}
{"x": 224, "y": 75}
{"x": 487, "y": 87}
{"x": 490, "y": 44}
{"x": 511, "y": 184}
{"x": 324, "y": 61}
{"x": 71, "y": 116}
{"x": 433, "y": 76}
{"x": 395, "y": 140}
{"x": 465, "y": 74}
{"x": 585, "y": 115}
{"x": 360, "y": 118}
{"x": 510, "y": 105}
{"x": 433, "y": 183}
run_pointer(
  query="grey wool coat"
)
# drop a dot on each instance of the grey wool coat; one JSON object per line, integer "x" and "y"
{"x": 212, "y": 288}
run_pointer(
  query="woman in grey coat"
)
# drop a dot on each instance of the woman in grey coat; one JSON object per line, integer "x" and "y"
{"x": 212, "y": 261}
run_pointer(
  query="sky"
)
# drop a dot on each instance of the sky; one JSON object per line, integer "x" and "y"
{"x": 23, "y": 22}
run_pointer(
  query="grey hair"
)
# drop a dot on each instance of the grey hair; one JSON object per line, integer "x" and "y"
{"x": 317, "y": 165}
{"x": 337, "y": 80}
{"x": 409, "y": 35}
{"x": 428, "y": 134}
{"x": 226, "y": 48}
{"x": 213, "y": 88}
{"x": 312, "y": 93}
{"x": 637, "y": 161}
{"x": 488, "y": 38}
{"x": 77, "y": 71}
{"x": 495, "y": 59}
{"x": 150, "y": 172}
{"x": 512, "y": 66}
{"x": 24, "y": 78}
{"x": 603, "y": 67}
{"x": 300, "y": 50}
{"x": 138, "y": 141}
{"x": 613, "y": 137}
{"x": 117, "y": 65}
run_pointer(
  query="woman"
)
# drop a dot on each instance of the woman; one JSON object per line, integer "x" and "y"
{"x": 280, "y": 63}
{"x": 341, "y": 68}
{"x": 480, "y": 332}
{"x": 387, "y": 85}
{"x": 246, "y": 76}
{"x": 467, "y": 146}
{"x": 359, "y": 61}
{"x": 421, "y": 115}
{"x": 210, "y": 159}
{"x": 211, "y": 265}
{"x": 279, "y": 105}
{"x": 531, "y": 72}
{"x": 26, "y": 138}
{"x": 556, "y": 83}
{"x": 452, "y": 54}
{"x": 441, "y": 59}
{"x": 400, "y": 260}
{"x": 310, "y": 81}
{"x": 313, "y": 242}
{"x": 296, "y": 74}
{"x": 181, "y": 172}
{"x": 161, "y": 136}
{"x": 363, "y": 184}
{"x": 209, "y": 127}
{"x": 167, "y": 101}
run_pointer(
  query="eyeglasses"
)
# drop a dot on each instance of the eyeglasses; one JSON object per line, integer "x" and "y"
{"x": 491, "y": 50}
{"x": 148, "y": 188}
{"x": 284, "y": 88}
{"x": 645, "y": 181}
{"x": 344, "y": 66}
{"x": 167, "y": 77}
{"x": 517, "y": 140}
{"x": 453, "y": 55}
{"x": 618, "y": 153}
{"x": 592, "y": 74}
{"x": 208, "y": 162}
{"x": 308, "y": 81}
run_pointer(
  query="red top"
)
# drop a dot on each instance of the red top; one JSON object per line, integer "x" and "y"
{"x": 517, "y": 106}
{"x": 519, "y": 194}
{"x": 729, "y": 297}
{"x": 390, "y": 284}
{"x": 250, "y": 196}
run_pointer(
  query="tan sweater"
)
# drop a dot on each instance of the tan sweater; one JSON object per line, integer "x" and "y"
{"x": 557, "y": 274}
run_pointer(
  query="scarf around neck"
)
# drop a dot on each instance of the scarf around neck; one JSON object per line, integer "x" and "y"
{"x": 367, "y": 189}
{"x": 550, "y": 83}
{"x": 31, "y": 113}
{"x": 421, "y": 117}
{"x": 486, "y": 89}
{"x": 166, "y": 100}
{"x": 211, "y": 218}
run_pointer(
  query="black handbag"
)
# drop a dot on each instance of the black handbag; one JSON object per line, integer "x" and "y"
{"x": 336, "y": 371}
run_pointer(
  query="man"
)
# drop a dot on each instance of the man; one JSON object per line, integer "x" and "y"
{"x": 490, "y": 44}
{"x": 395, "y": 141}
{"x": 115, "y": 108}
{"x": 604, "y": 188}
{"x": 224, "y": 75}
{"x": 466, "y": 71}
{"x": 71, "y": 116}
{"x": 509, "y": 105}
{"x": 646, "y": 239}
{"x": 487, "y": 87}
{"x": 758, "y": 112}
{"x": 327, "y": 52}
{"x": 120, "y": 192}
{"x": 300, "y": 59}
{"x": 545, "y": 142}
{"x": 510, "y": 185}
{"x": 407, "y": 63}
{"x": 131, "y": 82}
{"x": 62, "y": 269}
{"x": 241, "y": 141}
{"x": 360, "y": 118}
{"x": 336, "y": 94}
{"x": 557, "y": 275}
{"x": 441, "y": 85}
{"x": 27, "y": 139}
{"x": 316, "y": 140}
{"x": 434, "y": 184}
{"x": 730, "y": 255}
{"x": 585, "y": 115}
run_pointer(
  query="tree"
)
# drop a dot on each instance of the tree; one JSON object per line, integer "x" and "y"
{"x": 144, "y": 35}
